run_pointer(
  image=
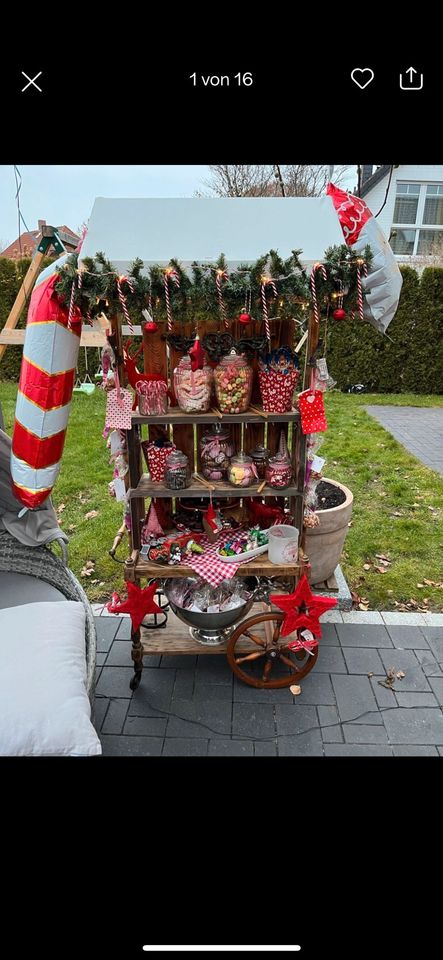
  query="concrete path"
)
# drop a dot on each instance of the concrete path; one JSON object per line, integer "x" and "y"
{"x": 193, "y": 706}
{"x": 419, "y": 429}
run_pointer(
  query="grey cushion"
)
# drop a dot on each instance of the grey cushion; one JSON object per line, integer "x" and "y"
{"x": 18, "y": 588}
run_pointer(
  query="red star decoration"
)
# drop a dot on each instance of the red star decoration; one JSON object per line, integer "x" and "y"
{"x": 197, "y": 355}
{"x": 302, "y": 608}
{"x": 139, "y": 602}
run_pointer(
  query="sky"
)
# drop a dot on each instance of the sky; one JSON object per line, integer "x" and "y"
{"x": 64, "y": 194}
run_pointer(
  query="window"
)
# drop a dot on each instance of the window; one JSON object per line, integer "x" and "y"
{"x": 434, "y": 204}
{"x": 430, "y": 242}
{"x": 418, "y": 214}
{"x": 406, "y": 202}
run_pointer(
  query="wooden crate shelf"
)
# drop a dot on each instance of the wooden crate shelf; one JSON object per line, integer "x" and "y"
{"x": 258, "y": 567}
{"x": 177, "y": 416}
{"x": 178, "y": 639}
{"x": 146, "y": 488}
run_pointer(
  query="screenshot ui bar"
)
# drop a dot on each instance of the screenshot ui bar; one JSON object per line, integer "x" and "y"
{"x": 221, "y": 949}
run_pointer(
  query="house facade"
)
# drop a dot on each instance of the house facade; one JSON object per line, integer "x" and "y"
{"x": 27, "y": 243}
{"x": 412, "y": 217}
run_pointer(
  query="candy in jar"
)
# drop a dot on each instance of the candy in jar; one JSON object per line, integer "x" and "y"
{"x": 242, "y": 471}
{"x": 260, "y": 457}
{"x": 216, "y": 450}
{"x": 233, "y": 383}
{"x": 177, "y": 471}
{"x": 279, "y": 472}
{"x": 193, "y": 388}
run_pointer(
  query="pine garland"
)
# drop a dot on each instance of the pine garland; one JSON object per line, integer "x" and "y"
{"x": 197, "y": 294}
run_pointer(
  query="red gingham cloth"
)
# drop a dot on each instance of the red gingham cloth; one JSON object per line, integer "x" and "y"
{"x": 209, "y": 566}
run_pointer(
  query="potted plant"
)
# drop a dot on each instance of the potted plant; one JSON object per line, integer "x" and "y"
{"x": 324, "y": 540}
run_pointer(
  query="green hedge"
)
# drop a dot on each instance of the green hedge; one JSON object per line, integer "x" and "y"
{"x": 410, "y": 362}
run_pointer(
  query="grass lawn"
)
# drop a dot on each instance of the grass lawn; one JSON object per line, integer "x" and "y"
{"x": 398, "y": 503}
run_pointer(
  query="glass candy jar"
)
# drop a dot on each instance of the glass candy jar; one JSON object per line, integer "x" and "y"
{"x": 279, "y": 472}
{"x": 177, "y": 471}
{"x": 193, "y": 388}
{"x": 260, "y": 457}
{"x": 242, "y": 471}
{"x": 216, "y": 450}
{"x": 233, "y": 383}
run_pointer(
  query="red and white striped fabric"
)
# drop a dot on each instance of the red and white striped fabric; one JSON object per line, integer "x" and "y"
{"x": 44, "y": 393}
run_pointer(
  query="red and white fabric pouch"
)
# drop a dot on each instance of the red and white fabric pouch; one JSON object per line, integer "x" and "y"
{"x": 312, "y": 411}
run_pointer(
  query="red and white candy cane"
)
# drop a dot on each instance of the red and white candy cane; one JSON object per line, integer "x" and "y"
{"x": 317, "y": 266}
{"x": 361, "y": 266}
{"x": 173, "y": 275}
{"x": 122, "y": 299}
{"x": 264, "y": 283}
{"x": 219, "y": 276}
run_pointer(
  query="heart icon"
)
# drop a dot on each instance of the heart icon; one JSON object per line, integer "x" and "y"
{"x": 362, "y": 76}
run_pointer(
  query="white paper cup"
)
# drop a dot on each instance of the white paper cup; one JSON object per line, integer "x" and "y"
{"x": 283, "y": 544}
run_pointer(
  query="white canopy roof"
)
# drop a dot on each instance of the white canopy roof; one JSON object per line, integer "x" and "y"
{"x": 200, "y": 229}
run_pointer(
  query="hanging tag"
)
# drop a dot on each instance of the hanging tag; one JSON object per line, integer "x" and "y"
{"x": 322, "y": 368}
{"x": 120, "y": 489}
{"x": 317, "y": 464}
{"x": 116, "y": 443}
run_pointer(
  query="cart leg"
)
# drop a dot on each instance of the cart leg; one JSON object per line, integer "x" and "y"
{"x": 137, "y": 656}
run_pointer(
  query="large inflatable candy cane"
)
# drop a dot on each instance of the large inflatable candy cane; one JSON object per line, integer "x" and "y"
{"x": 384, "y": 280}
{"x": 44, "y": 392}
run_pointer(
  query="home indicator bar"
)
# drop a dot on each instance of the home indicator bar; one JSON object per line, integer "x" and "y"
{"x": 221, "y": 949}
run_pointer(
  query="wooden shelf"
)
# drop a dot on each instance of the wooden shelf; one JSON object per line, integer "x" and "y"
{"x": 258, "y": 567}
{"x": 177, "y": 639}
{"x": 176, "y": 416}
{"x": 146, "y": 488}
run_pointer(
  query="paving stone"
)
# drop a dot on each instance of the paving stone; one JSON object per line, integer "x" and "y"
{"x": 304, "y": 745}
{"x": 178, "y": 662}
{"x": 265, "y": 748}
{"x": 184, "y": 684}
{"x": 428, "y": 663}
{"x": 100, "y": 658}
{"x": 231, "y": 748}
{"x": 434, "y": 620}
{"x": 406, "y": 661}
{"x": 242, "y": 693}
{"x": 213, "y": 714}
{"x": 364, "y": 733}
{"x": 415, "y": 699}
{"x": 114, "y": 682}
{"x": 362, "y": 616}
{"x": 434, "y": 636}
{"x": 332, "y": 616}
{"x": 153, "y": 694}
{"x": 414, "y": 750}
{"x": 384, "y": 697}
{"x": 354, "y": 696}
{"x": 215, "y": 668}
{"x": 151, "y": 660}
{"x": 329, "y": 635}
{"x": 131, "y": 746}
{"x": 206, "y": 691}
{"x": 374, "y": 718}
{"x": 407, "y": 638}
{"x": 185, "y": 747}
{"x": 403, "y": 619}
{"x": 440, "y": 751}
{"x": 120, "y": 654}
{"x": 362, "y": 660}
{"x": 115, "y": 716}
{"x": 437, "y": 686}
{"x": 316, "y": 688}
{"x": 357, "y": 750}
{"x": 414, "y": 725}
{"x": 98, "y": 671}
{"x": 253, "y": 720}
{"x": 330, "y": 728}
{"x": 124, "y": 630}
{"x": 330, "y": 660}
{"x": 145, "y": 726}
{"x": 106, "y": 631}
{"x": 364, "y": 635}
{"x": 100, "y": 707}
{"x": 295, "y": 718}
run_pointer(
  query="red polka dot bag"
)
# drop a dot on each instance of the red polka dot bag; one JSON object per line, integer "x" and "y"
{"x": 312, "y": 411}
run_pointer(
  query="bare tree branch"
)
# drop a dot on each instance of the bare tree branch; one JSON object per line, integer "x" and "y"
{"x": 259, "y": 180}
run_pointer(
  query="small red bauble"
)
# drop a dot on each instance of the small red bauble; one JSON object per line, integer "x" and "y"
{"x": 339, "y": 314}
{"x": 151, "y": 327}
{"x": 244, "y": 318}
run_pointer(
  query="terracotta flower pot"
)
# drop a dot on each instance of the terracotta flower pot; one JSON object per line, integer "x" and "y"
{"x": 324, "y": 543}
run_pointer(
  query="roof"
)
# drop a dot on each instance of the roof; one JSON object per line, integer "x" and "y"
{"x": 197, "y": 228}
{"x": 28, "y": 241}
{"x": 379, "y": 174}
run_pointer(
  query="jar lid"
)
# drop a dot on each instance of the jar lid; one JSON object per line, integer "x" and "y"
{"x": 216, "y": 432}
{"x": 234, "y": 357}
{"x": 176, "y": 459}
{"x": 185, "y": 364}
{"x": 260, "y": 452}
{"x": 279, "y": 460}
{"x": 241, "y": 458}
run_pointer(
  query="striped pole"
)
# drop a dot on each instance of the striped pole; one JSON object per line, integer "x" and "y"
{"x": 222, "y": 275}
{"x": 264, "y": 283}
{"x": 170, "y": 273}
{"x": 317, "y": 266}
{"x": 122, "y": 299}
{"x": 361, "y": 266}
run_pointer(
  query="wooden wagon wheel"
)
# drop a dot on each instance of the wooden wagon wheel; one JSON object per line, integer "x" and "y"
{"x": 262, "y": 658}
